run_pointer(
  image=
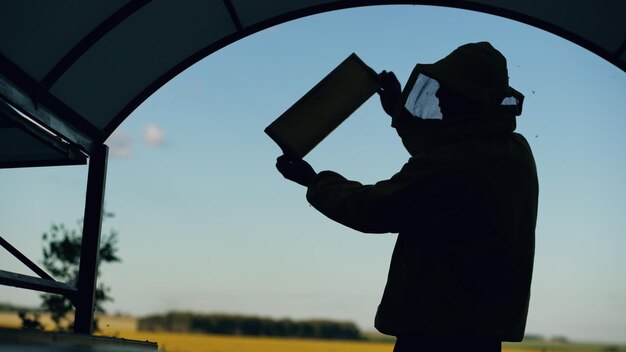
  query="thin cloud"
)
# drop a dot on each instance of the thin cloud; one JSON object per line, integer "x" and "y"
{"x": 120, "y": 144}
{"x": 153, "y": 135}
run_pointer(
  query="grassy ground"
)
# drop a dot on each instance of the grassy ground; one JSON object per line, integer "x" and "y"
{"x": 126, "y": 327}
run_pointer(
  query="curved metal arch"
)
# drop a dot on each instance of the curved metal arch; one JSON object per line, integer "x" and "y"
{"x": 243, "y": 32}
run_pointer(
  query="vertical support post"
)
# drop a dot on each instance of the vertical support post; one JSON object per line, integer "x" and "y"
{"x": 92, "y": 225}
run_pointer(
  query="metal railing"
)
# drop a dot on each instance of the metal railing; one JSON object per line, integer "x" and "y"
{"x": 83, "y": 295}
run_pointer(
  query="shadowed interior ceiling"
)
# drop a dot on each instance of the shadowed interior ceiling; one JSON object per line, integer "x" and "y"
{"x": 71, "y": 71}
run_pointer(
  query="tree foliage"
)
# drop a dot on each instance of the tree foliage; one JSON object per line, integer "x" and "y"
{"x": 61, "y": 258}
{"x": 28, "y": 322}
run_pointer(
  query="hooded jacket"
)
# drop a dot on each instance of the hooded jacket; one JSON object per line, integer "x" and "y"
{"x": 464, "y": 207}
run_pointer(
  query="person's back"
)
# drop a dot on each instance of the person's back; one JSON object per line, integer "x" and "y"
{"x": 463, "y": 259}
{"x": 464, "y": 206}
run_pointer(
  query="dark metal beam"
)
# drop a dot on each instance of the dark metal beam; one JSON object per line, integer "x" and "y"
{"x": 34, "y": 283}
{"x": 233, "y": 15}
{"x": 24, "y": 259}
{"x": 23, "y": 93}
{"x": 620, "y": 50}
{"x": 69, "y": 154}
{"x": 88, "y": 271}
{"x": 11, "y": 113}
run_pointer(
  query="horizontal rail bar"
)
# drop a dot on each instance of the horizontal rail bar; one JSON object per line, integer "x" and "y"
{"x": 34, "y": 283}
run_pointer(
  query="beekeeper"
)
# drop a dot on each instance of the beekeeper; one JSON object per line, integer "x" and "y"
{"x": 464, "y": 205}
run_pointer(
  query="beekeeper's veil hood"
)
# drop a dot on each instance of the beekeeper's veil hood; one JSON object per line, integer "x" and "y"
{"x": 475, "y": 81}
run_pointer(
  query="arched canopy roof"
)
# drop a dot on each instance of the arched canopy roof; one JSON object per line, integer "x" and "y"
{"x": 72, "y": 71}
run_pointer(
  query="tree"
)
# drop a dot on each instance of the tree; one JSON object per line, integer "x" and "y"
{"x": 30, "y": 323}
{"x": 61, "y": 257}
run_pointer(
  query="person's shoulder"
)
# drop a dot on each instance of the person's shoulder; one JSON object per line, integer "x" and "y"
{"x": 477, "y": 150}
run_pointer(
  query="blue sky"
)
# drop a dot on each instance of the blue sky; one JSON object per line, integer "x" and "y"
{"x": 208, "y": 224}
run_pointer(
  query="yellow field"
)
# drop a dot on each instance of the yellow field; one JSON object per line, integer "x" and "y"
{"x": 126, "y": 327}
{"x": 180, "y": 342}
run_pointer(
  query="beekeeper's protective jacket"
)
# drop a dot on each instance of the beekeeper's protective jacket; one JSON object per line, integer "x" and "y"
{"x": 464, "y": 207}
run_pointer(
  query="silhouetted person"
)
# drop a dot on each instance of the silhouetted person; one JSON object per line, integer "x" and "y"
{"x": 464, "y": 206}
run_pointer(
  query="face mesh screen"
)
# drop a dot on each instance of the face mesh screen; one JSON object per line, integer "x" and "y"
{"x": 422, "y": 101}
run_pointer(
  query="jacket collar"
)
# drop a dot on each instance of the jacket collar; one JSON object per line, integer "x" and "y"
{"x": 419, "y": 135}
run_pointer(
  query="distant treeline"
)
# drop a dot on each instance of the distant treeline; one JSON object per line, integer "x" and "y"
{"x": 9, "y": 307}
{"x": 249, "y": 326}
